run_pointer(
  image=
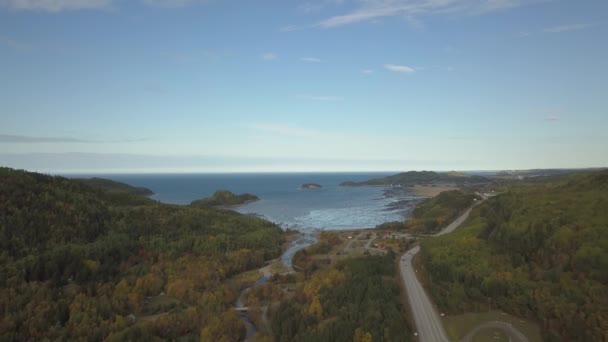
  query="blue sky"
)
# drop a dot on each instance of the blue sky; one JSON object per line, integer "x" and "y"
{"x": 328, "y": 85}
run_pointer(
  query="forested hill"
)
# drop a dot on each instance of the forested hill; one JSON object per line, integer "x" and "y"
{"x": 110, "y": 185}
{"x": 539, "y": 250}
{"x": 77, "y": 263}
{"x": 224, "y": 198}
{"x": 432, "y": 214}
{"x": 421, "y": 177}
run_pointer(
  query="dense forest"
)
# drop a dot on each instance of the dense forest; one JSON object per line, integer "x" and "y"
{"x": 356, "y": 299}
{"x": 421, "y": 177}
{"x": 109, "y": 185}
{"x": 538, "y": 250}
{"x": 81, "y": 262}
{"x": 224, "y": 198}
{"x": 432, "y": 214}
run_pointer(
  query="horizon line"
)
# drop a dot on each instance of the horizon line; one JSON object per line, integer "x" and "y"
{"x": 84, "y": 173}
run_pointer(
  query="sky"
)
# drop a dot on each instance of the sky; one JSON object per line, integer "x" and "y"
{"x": 282, "y": 85}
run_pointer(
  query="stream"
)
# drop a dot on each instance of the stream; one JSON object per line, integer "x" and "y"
{"x": 287, "y": 256}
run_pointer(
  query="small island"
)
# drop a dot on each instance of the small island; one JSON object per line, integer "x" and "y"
{"x": 311, "y": 186}
{"x": 223, "y": 198}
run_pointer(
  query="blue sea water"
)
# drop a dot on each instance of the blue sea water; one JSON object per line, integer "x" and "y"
{"x": 281, "y": 199}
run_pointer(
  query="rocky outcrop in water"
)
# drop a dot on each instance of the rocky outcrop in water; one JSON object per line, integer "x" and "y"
{"x": 311, "y": 186}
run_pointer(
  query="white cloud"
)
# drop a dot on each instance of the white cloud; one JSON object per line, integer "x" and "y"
{"x": 552, "y": 118}
{"x": 269, "y": 56}
{"x": 367, "y": 71}
{"x": 565, "y": 28}
{"x": 320, "y": 98}
{"x": 361, "y": 15}
{"x": 372, "y": 10}
{"x": 310, "y": 59}
{"x": 55, "y": 5}
{"x": 399, "y": 68}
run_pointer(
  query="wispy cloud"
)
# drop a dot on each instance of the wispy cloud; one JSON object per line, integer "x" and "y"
{"x": 367, "y": 71}
{"x": 361, "y": 15}
{"x": 371, "y": 10}
{"x": 285, "y": 130}
{"x": 309, "y": 7}
{"x": 172, "y": 3}
{"x": 320, "y": 98}
{"x": 55, "y": 5}
{"x": 310, "y": 60}
{"x": 9, "y": 138}
{"x": 268, "y": 56}
{"x": 196, "y": 55}
{"x": 557, "y": 29}
{"x": 566, "y": 28}
{"x": 14, "y": 44}
{"x": 399, "y": 68}
{"x": 551, "y": 113}
{"x": 289, "y": 28}
{"x": 546, "y": 110}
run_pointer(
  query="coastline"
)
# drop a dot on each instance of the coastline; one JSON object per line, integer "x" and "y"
{"x": 234, "y": 206}
{"x": 430, "y": 190}
{"x": 420, "y": 190}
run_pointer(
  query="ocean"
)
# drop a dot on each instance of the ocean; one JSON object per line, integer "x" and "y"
{"x": 281, "y": 199}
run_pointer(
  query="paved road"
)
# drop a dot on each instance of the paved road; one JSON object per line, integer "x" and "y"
{"x": 455, "y": 224}
{"x": 428, "y": 324}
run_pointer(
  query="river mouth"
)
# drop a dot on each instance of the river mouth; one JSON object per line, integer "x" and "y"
{"x": 286, "y": 258}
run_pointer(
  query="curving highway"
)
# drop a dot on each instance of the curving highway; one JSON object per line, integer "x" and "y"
{"x": 428, "y": 323}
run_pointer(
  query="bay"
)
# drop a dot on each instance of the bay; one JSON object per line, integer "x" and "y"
{"x": 281, "y": 198}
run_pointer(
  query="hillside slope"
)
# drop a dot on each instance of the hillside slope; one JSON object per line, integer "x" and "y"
{"x": 539, "y": 250}
{"x": 421, "y": 177}
{"x": 79, "y": 264}
{"x": 110, "y": 185}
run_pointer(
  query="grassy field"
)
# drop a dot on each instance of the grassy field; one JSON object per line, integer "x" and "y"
{"x": 458, "y": 326}
{"x": 491, "y": 334}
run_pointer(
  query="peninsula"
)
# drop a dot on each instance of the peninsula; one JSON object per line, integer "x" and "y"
{"x": 412, "y": 178}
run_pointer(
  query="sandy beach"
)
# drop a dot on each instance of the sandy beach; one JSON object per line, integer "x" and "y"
{"x": 430, "y": 190}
